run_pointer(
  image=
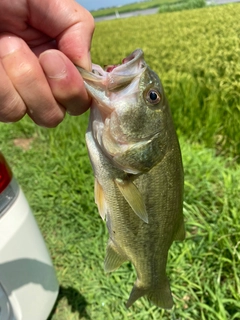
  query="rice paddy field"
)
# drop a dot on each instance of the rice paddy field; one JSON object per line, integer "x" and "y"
{"x": 141, "y": 5}
{"x": 197, "y": 55}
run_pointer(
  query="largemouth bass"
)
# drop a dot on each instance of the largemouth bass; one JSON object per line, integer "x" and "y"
{"x": 136, "y": 159}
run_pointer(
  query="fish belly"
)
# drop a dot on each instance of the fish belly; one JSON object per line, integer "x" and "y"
{"x": 146, "y": 245}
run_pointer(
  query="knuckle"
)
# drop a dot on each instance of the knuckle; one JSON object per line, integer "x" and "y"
{"x": 51, "y": 120}
{"x": 24, "y": 73}
{"x": 12, "y": 108}
{"x": 91, "y": 23}
{"x": 76, "y": 102}
{"x": 74, "y": 93}
{"x": 54, "y": 122}
{"x": 11, "y": 115}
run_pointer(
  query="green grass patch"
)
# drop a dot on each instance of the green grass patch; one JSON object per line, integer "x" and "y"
{"x": 133, "y": 7}
{"x": 196, "y": 54}
{"x": 183, "y": 5}
{"x": 56, "y": 176}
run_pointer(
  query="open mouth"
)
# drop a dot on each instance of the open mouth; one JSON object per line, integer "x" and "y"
{"x": 131, "y": 59}
{"x": 127, "y": 63}
{"x": 114, "y": 77}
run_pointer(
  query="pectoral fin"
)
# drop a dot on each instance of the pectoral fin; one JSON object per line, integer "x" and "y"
{"x": 100, "y": 199}
{"x": 113, "y": 259}
{"x": 133, "y": 197}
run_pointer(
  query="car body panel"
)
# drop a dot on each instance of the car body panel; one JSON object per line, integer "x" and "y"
{"x": 28, "y": 282}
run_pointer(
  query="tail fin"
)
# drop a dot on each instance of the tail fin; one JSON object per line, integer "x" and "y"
{"x": 135, "y": 294}
{"x": 160, "y": 296}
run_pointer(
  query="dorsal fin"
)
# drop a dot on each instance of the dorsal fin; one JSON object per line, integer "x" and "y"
{"x": 133, "y": 197}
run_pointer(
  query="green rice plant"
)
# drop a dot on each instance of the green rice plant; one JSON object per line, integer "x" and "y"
{"x": 197, "y": 55}
{"x": 184, "y": 5}
{"x": 204, "y": 272}
{"x": 142, "y": 5}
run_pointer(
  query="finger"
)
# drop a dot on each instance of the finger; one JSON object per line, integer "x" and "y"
{"x": 43, "y": 47}
{"x": 72, "y": 27}
{"x": 65, "y": 81}
{"x": 23, "y": 69}
{"x": 75, "y": 41}
{"x": 12, "y": 107}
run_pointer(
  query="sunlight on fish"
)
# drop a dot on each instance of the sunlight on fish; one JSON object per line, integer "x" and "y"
{"x": 136, "y": 159}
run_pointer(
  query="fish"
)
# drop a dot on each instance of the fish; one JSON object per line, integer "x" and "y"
{"x": 136, "y": 159}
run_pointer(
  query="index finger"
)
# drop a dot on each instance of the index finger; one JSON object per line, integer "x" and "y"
{"x": 69, "y": 23}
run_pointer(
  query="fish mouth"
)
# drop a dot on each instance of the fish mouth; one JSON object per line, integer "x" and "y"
{"x": 113, "y": 77}
{"x": 114, "y": 82}
{"x": 134, "y": 60}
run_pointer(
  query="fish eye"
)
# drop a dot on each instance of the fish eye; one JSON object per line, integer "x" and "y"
{"x": 153, "y": 96}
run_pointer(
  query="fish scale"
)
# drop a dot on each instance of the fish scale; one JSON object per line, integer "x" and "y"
{"x": 136, "y": 159}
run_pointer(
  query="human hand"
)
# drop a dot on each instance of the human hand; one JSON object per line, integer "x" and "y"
{"x": 39, "y": 42}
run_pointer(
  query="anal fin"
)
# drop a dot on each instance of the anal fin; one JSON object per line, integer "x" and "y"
{"x": 113, "y": 259}
{"x": 133, "y": 197}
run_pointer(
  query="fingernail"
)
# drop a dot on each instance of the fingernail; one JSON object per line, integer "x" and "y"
{"x": 86, "y": 62}
{"x": 9, "y": 44}
{"x": 53, "y": 64}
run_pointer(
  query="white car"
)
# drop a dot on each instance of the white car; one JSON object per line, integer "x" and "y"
{"x": 28, "y": 283}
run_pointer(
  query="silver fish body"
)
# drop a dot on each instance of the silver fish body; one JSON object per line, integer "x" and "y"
{"x": 135, "y": 155}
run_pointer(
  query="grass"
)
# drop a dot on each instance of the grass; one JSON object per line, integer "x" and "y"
{"x": 204, "y": 270}
{"x": 197, "y": 54}
{"x": 56, "y": 176}
{"x": 133, "y": 7}
{"x": 163, "y": 5}
{"x": 183, "y": 5}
